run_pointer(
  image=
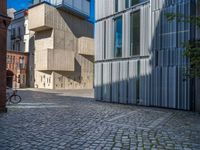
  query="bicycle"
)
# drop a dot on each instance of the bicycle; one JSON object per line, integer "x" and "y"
{"x": 13, "y": 98}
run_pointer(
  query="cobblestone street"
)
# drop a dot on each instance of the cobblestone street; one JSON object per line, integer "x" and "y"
{"x": 73, "y": 120}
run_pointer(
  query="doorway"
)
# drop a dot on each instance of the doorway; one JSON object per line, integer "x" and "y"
{"x": 9, "y": 78}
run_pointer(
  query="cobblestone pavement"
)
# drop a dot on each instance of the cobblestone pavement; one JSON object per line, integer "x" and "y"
{"x": 72, "y": 120}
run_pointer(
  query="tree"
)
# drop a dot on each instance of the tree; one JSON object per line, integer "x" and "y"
{"x": 192, "y": 47}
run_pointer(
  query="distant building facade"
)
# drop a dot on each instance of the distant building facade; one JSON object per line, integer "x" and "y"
{"x": 139, "y": 53}
{"x": 11, "y": 12}
{"x": 4, "y": 22}
{"x": 17, "y": 66}
{"x": 20, "y": 49}
{"x": 64, "y": 46}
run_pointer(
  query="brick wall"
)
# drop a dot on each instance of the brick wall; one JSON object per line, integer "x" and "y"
{"x": 4, "y": 22}
{"x": 3, "y": 6}
{"x": 2, "y": 69}
{"x": 20, "y": 71}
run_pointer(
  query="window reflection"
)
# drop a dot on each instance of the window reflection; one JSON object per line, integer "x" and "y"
{"x": 118, "y": 37}
{"x": 135, "y": 33}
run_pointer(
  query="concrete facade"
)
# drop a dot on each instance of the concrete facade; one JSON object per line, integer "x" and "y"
{"x": 139, "y": 53}
{"x": 4, "y": 22}
{"x": 61, "y": 59}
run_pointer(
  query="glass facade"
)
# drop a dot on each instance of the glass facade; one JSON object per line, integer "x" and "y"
{"x": 127, "y": 3}
{"x": 135, "y": 33}
{"x": 105, "y": 39}
{"x": 116, "y": 5}
{"x": 134, "y": 2}
{"x": 118, "y": 37}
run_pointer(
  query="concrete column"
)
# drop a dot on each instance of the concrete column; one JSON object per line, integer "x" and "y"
{"x": 4, "y": 22}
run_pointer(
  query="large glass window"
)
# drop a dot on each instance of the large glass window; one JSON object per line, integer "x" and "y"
{"x": 134, "y": 2}
{"x": 135, "y": 33}
{"x": 19, "y": 31}
{"x": 116, "y": 5}
{"x": 118, "y": 37}
{"x": 127, "y": 3}
{"x": 105, "y": 40}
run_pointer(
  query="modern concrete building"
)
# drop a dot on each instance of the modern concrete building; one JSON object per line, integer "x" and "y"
{"x": 64, "y": 47}
{"x": 139, "y": 53}
{"x": 4, "y": 22}
{"x": 20, "y": 43}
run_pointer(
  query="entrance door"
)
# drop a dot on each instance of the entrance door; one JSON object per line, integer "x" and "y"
{"x": 9, "y": 78}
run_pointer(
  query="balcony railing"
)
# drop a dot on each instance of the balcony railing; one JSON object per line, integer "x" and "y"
{"x": 16, "y": 37}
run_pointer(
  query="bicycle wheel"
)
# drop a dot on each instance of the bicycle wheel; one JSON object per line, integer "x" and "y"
{"x": 15, "y": 99}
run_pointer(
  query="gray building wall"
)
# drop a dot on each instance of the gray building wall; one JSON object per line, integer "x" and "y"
{"x": 155, "y": 77}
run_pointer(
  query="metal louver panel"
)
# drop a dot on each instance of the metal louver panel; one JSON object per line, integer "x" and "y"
{"x": 156, "y": 76}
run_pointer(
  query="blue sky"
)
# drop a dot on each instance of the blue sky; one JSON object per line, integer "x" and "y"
{"x": 18, "y": 4}
{"x": 21, "y": 4}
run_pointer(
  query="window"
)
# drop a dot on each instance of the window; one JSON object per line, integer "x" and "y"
{"x": 135, "y": 33}
{"x": 116, "y": 6}
{"x": 105, "y": 40}
{"x": 118, "y": 37}
{"x": 13, "y": 47}
{"x": 8, "y": 59}
{"x": 127, "y": 3}
{"x": 18, "y": 46}
{"x": 13, "y": 32}
{"x": 13, "y": 59}
{"x": 134, "y": 2}
{"x": 23, "y": 79}
{"x": 19, "y": 31}
{"x": 22, "y": 63}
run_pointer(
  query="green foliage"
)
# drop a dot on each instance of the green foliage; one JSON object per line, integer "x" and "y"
{"x": 192, "y": 47}
{"x": 193, "y": 53}
{"x": 195, "y": 20}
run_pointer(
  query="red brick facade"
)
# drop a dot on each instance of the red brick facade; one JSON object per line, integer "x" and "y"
{"x": 17, "y": 63}
{"x": 4, "y": 22}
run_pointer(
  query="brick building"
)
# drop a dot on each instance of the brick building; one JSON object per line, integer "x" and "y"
{"x": 4, "y": 22}
{"x": 17, "y": 69}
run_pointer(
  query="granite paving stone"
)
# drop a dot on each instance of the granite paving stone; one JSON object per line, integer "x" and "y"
{"x": 73, "y": 120}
